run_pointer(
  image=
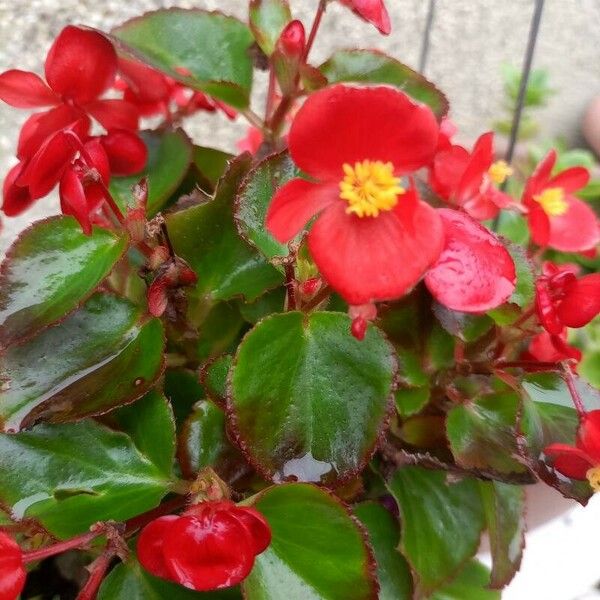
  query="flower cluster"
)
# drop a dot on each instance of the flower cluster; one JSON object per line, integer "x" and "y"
{"x": 210, "y": 546}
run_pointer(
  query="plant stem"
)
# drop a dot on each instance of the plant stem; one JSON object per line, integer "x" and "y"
{"x": 315, "y": 27}
{"x": 570, "y": 381}
{"x": 279, "y": 115}
{"x": 270, "y": 94}
{"x": 254, "y": 119}
{"x": 323, "y": 293}
{"x": 77, "y": 542}
{"x": 97, "y": 572}
{"x": 290, "y": 284}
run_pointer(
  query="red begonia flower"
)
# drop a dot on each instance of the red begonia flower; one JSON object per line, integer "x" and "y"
{"x": 12, "y": 571}
{"x": 474, "y": 272}
{"x": 581, "y": 461}
{"x": 468, "y": 179}
{"x": 150, "y": 545}
{"x": 126, "y": 151}
{"x": 556, "y": 217}
{"x": 373, "y": 238}
{"x": 548, "y": 347}
{"x": 16, "y": 198}
{"x": 372, "y": 11}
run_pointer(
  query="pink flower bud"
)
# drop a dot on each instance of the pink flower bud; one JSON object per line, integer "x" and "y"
{"x": 292, "y": 41}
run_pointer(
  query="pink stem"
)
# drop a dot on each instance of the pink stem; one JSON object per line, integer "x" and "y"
{"x": 570, "y": 381}
{"x": 97, "y": 572}
{"x": 77, "y": 542}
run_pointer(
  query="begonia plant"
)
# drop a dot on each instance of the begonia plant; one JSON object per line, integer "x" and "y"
{"x": 323, "y": 367}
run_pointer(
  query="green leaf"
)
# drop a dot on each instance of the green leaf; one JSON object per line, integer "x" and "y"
{"x": 211, "y": 47}
{"x": 253, "y": 199}
{"x": 441, "y": 523}
{"x": 504, "y": 506}
{"x": 372, "y": 66}
{"x": 151, "y": 425}
{"x": 513, "y": 226}
{"x": 129, "y": 581}
{"x": 267, "y": 20}
{"x": 206, "y": 237}
{"x": 307, "y": 400}
{"x": 525, "y": 289}
{"x": 70, "y": 476}
{"x": 219, "y": 330}
{"x": 48, "y": 271}
{"x": 182, "y": 388}
{"x": 470, "y": 584}
{"x": 317, "y": 553}
{"x": 214, "y": 378}
{"x": 211, "y": 163}
{"x": 482, "y": 433}
{"x": 169, "y": 156}
{"x": 464, "y": 326}
{"x": 105, "y": 354}
{"x": 271, "y": 302}
{"x": 393, "y": 572}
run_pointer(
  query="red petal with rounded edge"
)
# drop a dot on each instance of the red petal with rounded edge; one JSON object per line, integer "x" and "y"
{"x": 40, "y": 126}
{"x": 25, "y": 90}
{"x": 127, "y": 153}
{"x": 479, "y": 163}
{"x": 12, "y": 571}
{"x": 295, "y": 204}
{"x": 474, "y": 272}
{"x": 539, "y": 224}
{"x": 208, "y": 551}
{"x": 257, "y": 525}
{"x": 372, "y": 11}
{"x": 581, "y": 302}
{"x": 343, "y": 124}
{"x": 99, "y": 159}
{"x": 114, "y": 114}
{"x": 16, "y": 199}
{"x": 539, "y": 179}
{"x": 447, "y": 169}
{"x": 543, "y": 347}
{"x": 45, "y": 169}
{"x": 150, "y": 546}
{"x": 73, "y": 200}
{"x": 568, "y": 460}
{"x": 570, "y": 180}
{"x": 545, "y": 309}
{"x": 81, "y": 64}
{"x": 148, "y": 85}
{"x": 381, "y": 258}
{"x": 588, "y": 436}
{"x": 576, "y": 230}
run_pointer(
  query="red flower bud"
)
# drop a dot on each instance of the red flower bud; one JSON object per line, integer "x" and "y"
{"x": 359, "y": 328}
{"x": 310, "y": 287}
{"x": 12, "y": 571}
{"x": 292, "y": 41}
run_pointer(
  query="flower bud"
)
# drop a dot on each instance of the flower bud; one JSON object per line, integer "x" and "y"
{"x": 292, "y": 41}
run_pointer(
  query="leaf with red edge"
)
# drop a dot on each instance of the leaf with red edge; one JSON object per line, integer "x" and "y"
{"x": 48, "y": 271}
{"x": 106, "y": 354}
{"x": 318, "y": 415}
{"x": 318, "y": 550}
{"x": 267, "y": 20}
{"x": 206, "y": 51}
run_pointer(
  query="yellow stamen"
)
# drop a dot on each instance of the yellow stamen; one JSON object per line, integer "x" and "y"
{"x": 370, "y": 187}
{"x": 552, "y": 201}
{"x": 593, "y": 476}
{"x": 499, "y": 172}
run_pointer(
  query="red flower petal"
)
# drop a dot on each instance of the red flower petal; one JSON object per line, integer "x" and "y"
{"x": 582, "y": 301}
{"x": 372, "y": 11}
{"x": 73, "y": 200}
{"x": 576, "y": 230}
{"x": 25, "y": 90}
{"x": 447, "y": 169}
{"x": 539, "y": 179}
{"x": 548, "y": 348}
{"x": 539, "y": 225}
{"x": 571, "y": 462}
{"x": 570, "y": 180}
{"x": 257, "y": 525}
{"x": 343, "y": 124}
{"x": 381, "y": 258}
{"x": 545, "y": 308}
{"x": 208, "y": 551}
{"x": 12, "y": 571}
{"x": 127, "y": 153}
{"x": 81, "y": 64}
{"x": 17, "y": 198}
{"x": 295, "y": 204}
{"x": 588, "y": 436}
{"x": 150, "y": 545}
{"x": 474, "y": 272}
{"x": 94, "y": 150}
{"x": 147, "y": 84}
{"x": 479, "y": 163}
{"x": 114, "y": 114}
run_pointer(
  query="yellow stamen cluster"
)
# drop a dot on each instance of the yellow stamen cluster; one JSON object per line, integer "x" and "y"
{"x": 552, "y": 201}
{"x": 499, "y": 172}
{"x": 370, "y": 187}
{"x": 593, "y": 476}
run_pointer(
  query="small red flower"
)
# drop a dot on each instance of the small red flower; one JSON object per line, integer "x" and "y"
{"x": 468, "y": 179}
{"x": 556, "y": 217}
{"x": 373, "y": 238}
{"x": 548, "y": 347}
{"x": 447, "y": 131}
{"x": 563, "y": 300}
{"x": 581, "y": 461}
{"x": 12, "y": 570}
{"x": 210, "y": 546}
{"x": 371, "y": 11}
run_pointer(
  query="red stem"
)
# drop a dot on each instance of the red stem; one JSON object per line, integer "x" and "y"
{"x": 270, "y": 94}
{"x": 315, "y": 27}
{"x": 77, "y": 542}
{"x": 570, "y": 381}
{"x": 97, "y": 572}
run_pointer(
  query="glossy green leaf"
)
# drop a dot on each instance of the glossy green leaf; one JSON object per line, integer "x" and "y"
{"x": 525, "y": 287}
{"x": 182, "y": 388}
{"x": 129, "y": 581}
{"x": 253, "y": 199}
{"x": 441, "y": 523}
{"x": 267, "y": 20}
{"x": 70, "y": 476}
{"x": 482, "y": 433}
{"x": 469, "y": 584}
{"x": 317, "y": 552}
{"x": 211, "y": 163}
{"x": 219, "y": 331}
{"x": 206, "y": 237}
{"x": 307, "y": 400}
{"x": 105, "y": 354}
{"x": 211, "y": 47}
{"x": 393, "y": 572}
{"x": 267, "y": 304}
{"x": 48, "y": 271}
{"x": 151, "y": 425}
{"x": 372, "y": 66}
{"x": 504, "y": 506}
{"x": 214, "y": 378}
{"x": 513, "y": 226}
{"x": 169, "y": 156}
